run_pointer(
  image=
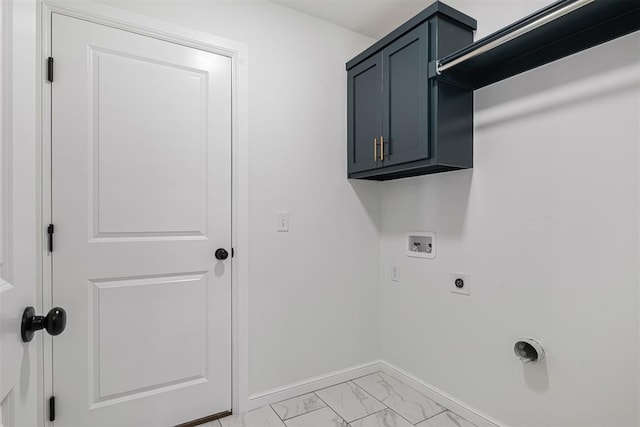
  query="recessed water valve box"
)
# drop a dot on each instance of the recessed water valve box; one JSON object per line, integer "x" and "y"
{"x": 421, "y": 244}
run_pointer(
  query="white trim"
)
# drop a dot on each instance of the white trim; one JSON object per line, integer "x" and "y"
{"x": 140, "y": 24}
{"x": 312, "y": 384}
{"x": 6, "y": 96}
{"x": 444, "y": 399}
{"x": 4, "y": 33}
{"x": 45, "y": 201}
{"x": 238, "y": 52}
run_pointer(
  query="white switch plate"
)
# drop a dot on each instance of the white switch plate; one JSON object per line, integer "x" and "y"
{"x": 282, "y": 221}
{"x": 395, "y": 272}
{"x": 466, "y": 280}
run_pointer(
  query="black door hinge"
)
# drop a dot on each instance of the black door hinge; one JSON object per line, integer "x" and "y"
{"x": 52, "y": 408}
{"x": 50, "y": 231}
{"x": 233, "y": 253}
{"x": 50, "y": 69}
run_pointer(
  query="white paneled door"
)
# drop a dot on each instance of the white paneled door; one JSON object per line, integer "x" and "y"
{"x": 141, "y": 201}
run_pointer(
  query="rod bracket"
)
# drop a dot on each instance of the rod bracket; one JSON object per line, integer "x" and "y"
{"x": 432, "y": 69}
{"x": 451, "y": 77}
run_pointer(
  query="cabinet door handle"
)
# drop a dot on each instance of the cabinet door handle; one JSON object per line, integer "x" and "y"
{"x": 382, "y": 148}
{"x": 375, "y": 149}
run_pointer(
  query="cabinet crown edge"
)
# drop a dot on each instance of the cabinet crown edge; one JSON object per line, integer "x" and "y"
{"x": 437, "y": 8}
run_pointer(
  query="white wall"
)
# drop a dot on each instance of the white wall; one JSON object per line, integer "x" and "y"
{"x": 546, "y": 224}
{"x": 313, "y": 291}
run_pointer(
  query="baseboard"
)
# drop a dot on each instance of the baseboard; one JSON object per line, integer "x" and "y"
{"x": 312, "y": 384}
{"x": 466, "y": 411}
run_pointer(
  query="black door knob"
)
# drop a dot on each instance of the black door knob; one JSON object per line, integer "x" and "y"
{"x": 54, "y": 322}
{"x": 221, "y": 254}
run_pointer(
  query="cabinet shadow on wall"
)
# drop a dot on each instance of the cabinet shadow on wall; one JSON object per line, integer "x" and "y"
{"x": 367, "y": 192}
{"x": 437, "y": 202}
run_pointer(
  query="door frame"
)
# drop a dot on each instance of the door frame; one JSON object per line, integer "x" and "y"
{"x": 238, "y": 52}
{"x": 19, "y": 139}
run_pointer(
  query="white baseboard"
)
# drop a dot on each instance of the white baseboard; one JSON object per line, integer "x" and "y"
{"x": 322, "y": 381}
{"x": 312, "y": 384}
{"x": 467, "y": 412}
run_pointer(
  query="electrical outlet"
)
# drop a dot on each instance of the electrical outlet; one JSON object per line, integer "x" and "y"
{"x": 395, "y": 273}
{"x": 460, "y": 283}
{"x": 282, "y": 221}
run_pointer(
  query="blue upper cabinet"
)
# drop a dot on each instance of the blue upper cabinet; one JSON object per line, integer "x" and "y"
{"x": 404, "y": 98}
{"x": 400, "y": 123}
{"x": 365, "y": 114}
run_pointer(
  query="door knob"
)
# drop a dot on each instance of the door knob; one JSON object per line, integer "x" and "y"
{"x": 221, "y": 254}
{"x": 54, "y": 322}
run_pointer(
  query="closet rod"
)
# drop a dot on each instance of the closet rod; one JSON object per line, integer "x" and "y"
{"x": 515, "y": 34}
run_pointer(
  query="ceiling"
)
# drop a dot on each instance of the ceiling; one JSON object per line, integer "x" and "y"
{"x": 373, "y": 18}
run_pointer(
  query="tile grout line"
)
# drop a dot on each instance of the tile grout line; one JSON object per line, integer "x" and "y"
{"x": 401, "y": 398}
{"x": 372, "y": 396}
{"x": 300, "y": 415}
{"x": 329, "y": 406}
{"x": 428, "y": 418}
{"x": 308, "y": 412}
{"x": 271, "y": 406}
{"x": 274, "y": 411}
{"x": 401, "y": 416}
{"x": 368, "y": 415}
{"x": 442, "y": 412}
{"x": 365, "y": 391}
{"x": 389, "y": 407}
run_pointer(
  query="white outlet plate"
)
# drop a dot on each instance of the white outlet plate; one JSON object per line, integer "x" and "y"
{"x": 395, "y": 273}
{"x": 282, "y": 221}
{"x": 465, "y": 289}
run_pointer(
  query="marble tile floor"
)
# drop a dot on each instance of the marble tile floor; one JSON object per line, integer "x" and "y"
{"x": 375, "y": 400}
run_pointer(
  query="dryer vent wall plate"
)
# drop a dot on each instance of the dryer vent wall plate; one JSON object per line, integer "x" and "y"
{"x": 529, "y": 350}
{"x": 421, "y": 244}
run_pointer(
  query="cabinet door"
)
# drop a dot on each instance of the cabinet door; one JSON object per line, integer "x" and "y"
{"x": 364, "y": 114}
{"x": 405, "y": 98}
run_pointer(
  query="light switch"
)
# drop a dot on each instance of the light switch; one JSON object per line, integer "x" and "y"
{"x": 395, "y": 272}
{"x": 282, "y": 224}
